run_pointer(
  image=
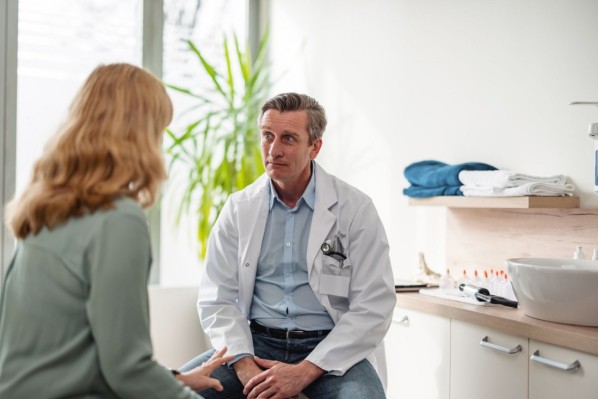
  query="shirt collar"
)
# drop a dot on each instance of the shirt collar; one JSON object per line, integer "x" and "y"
{"x": 309, "y": 195}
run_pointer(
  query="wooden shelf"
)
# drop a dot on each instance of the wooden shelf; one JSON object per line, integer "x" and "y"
{"x": 497, "y": 202}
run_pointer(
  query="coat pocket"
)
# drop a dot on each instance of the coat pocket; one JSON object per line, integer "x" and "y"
{"x": 335, "y": 278}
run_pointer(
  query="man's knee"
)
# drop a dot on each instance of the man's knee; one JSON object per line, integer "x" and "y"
{"x": 359, "y": 382}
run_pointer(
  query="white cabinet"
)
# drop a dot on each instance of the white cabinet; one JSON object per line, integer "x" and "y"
{"x": 417, "y": 354}
{"x": 441, "y": 349}
{"x": 556, "y": 372}
{"x": 482, "y": 358}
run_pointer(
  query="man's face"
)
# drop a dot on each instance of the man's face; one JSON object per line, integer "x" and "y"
{"x": 286, "y": 151}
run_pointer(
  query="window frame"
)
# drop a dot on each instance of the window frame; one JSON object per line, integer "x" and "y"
{"x": 8, "y": 118}
{"x": 151, "y": 58}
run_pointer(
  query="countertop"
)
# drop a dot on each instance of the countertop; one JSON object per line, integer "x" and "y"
{"x": 508, "y": 320}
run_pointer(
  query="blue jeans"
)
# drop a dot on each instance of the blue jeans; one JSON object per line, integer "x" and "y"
{"x": 359, "y": 382}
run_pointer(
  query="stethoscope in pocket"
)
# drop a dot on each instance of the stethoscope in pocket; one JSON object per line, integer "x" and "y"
{"x": 328, "y": 249}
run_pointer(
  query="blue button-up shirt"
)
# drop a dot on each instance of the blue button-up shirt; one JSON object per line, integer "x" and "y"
{"x": 282, "y": 296}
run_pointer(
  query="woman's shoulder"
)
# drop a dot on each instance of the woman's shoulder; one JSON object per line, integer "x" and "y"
{"x": 127, "y": 206}
{"x": 82, "y": 229}
{"x": 122, "y": 211}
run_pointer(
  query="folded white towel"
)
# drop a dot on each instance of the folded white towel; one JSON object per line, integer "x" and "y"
{"x": 541, "y": 189}
{"x": 505, "y": 178}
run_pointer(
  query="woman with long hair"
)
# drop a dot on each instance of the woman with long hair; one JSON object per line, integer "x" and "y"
{"x": 74, "y": 316}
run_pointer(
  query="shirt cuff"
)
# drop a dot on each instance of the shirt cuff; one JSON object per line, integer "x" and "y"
{"x": 238, "y": 357}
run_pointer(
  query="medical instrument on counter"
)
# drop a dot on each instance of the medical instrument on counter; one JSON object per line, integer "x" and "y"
{"x": 328, "y": 249}
{"x": 483, "y": 295}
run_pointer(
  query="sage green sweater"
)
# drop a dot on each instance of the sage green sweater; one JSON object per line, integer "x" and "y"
{"x": 74, "y": 316}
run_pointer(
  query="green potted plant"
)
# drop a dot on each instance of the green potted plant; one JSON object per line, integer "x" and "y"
{"x": 219, "y": 148}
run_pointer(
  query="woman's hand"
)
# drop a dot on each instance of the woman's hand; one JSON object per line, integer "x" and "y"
{"x": 199, "y": 378}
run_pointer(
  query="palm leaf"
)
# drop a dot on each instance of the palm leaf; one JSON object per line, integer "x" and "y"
{"x": 219, "y": 147}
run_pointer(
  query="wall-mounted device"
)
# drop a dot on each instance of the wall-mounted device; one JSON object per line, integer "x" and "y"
{"x": 593, "y": 131}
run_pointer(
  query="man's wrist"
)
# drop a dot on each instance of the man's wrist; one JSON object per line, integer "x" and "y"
{"x": 312, "y": 370}
{"x": 239, "y": 357}
{"x": 246, "y": 368}
{"x": 244, "y": 364}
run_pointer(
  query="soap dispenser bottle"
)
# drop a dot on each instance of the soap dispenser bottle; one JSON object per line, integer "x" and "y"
{"x": 593, "y": 131}
{"x": 579, "y": 254}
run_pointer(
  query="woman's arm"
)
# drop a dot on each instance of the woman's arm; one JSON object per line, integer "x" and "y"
{"x": 119, "y": 259}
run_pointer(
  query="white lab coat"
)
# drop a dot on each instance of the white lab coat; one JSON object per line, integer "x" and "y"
{"x": 360, "y": 297}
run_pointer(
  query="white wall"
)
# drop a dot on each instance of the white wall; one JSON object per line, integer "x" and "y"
{"x": 177, "y": 336}
{"x": 456, "y": 81}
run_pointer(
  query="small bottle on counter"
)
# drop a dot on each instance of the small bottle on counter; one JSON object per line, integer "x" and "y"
{"x": 447, "y": 283}
{"x": 464, "y": 279}
{"x": 494, "y": 280}
{"x": 480, "y": 278}
{"x": 578, "y": 254}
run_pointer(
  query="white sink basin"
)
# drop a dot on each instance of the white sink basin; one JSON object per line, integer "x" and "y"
{"x": 557, "y": 290}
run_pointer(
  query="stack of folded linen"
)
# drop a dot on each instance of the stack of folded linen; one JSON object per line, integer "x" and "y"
{"x": 504, "y": 183}
{"x": 432, "y": 178}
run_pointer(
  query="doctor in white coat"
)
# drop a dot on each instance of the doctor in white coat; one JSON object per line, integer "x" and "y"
{"x": 298, "y": 282}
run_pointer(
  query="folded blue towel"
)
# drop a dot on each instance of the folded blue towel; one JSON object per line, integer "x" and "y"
{"x": 439, "y": 174}
{"x": 424, "y": 192}
{"x": 431, "y": 178}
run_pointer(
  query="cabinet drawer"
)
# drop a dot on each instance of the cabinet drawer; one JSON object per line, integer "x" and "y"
{"x": 483, "y": 358}
{"x": 417, "y": 347}
{"x": 554, "y": 373}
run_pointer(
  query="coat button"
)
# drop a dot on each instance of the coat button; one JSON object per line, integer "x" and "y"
{"x": 247, "y": 264}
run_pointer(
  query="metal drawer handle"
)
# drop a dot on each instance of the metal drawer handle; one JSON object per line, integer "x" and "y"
{"x": 552, "y": 363}
{"x": 403, "y": 320}
{"x": 510, "y": 351}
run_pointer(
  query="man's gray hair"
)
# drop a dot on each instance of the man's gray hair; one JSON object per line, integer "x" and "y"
{"x": 316, "y": 117}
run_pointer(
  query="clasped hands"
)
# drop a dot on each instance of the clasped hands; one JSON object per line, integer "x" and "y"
{"x": 270, "y": 379}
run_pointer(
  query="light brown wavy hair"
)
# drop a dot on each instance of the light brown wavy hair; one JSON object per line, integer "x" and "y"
{"x": 109, "y": 146}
